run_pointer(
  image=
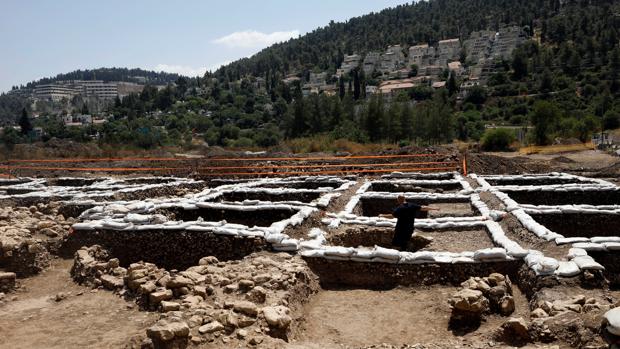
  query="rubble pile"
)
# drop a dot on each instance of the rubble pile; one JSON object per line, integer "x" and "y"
{"x": 246, "y": 301}
{"x": 481, "y": 296}
{"x": 28, "y": 235}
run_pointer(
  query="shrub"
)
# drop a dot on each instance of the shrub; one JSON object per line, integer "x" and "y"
{"x": 498, "y": 139}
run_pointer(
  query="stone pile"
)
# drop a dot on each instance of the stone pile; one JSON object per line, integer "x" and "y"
{"x": 244, "y": 301}
{"x": 28, "y": 235}
{"x": 480, "y": 296}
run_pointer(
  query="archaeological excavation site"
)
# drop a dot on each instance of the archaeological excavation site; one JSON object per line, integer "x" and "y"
{"x": 526, "y": 260}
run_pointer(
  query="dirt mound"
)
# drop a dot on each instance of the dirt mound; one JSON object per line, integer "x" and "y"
{"x": 563, "y": 160}
{"x": 491, "y": 164}
{"x": 610, "y": 171}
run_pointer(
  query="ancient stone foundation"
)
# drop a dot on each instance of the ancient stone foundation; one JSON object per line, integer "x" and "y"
{"x": 171, "y": 249}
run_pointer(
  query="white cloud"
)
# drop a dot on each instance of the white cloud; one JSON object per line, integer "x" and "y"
{"x": 181, "y": 69}
{"x": 254, "y": 39}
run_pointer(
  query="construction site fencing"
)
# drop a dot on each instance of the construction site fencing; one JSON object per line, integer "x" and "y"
{"x": 240, "y": 166}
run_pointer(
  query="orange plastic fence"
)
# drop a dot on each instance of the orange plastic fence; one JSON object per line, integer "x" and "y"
{"x": 322, "y": 168}
{"x": 288, "y": 173}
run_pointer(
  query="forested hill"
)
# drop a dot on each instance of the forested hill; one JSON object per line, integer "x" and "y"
{"x": 112, "y": 74}
{"x": 421, "y": 22}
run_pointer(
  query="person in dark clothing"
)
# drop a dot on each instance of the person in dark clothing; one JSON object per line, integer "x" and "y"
{"x": 405, "y": 214}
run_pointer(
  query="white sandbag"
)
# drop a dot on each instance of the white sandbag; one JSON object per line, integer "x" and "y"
{"x": 576, "y": 252}
{"x": 383, "y": 260}
{"x": 562, "y": 241}
{"x": 137, "y": 218}
{"x": 275, "y": 238}
{"x": 462, "y": 259}
{"x": 493, "y": 253}
{"x": 612, "y": 318}
{"x": 386, "y": 253}
{"x": 587, "y": 263}
{"x": 602, "y": 239}
{"x": 363, "y": 253}
{"x": 612, "y": 246}
{"x": 548, "y": 264}
{"x": 339, "y": 251}
{"x": 83, "y": 226}
{"x": 313, "y": 253}
{"x": 443, "y": 259}
{"x": 315, "y": 232}
{"x": 567, "y": 269}
{"x": 589, "y": 246}
{"x": 360, "y": 259}
{"x": 116, "y": 225}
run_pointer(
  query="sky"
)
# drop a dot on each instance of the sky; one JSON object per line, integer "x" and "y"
{"x": 41, "y": 38}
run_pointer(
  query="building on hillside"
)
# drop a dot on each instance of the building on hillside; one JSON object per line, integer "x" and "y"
{"x": 371, "y": 61}
{"x": 438, "y": 84}
{"x": 478, "y": 46}
{"x": 431, "y": 70}
{"x": 393, "y": 59}
{"x": 97, "y": 88}
{"x": 392, "y": 87}
{"x": 371, "y": 90}
{"x": 317, "y": 79}
{"x": 456, "y": 68}
{"x": 349, "y": 63}
{"x": 506, "y": 40}
{"x": 449, "y": 49}
{"x": 291, "y": 79}
{"x": 55, "y": 92}
{"x": 124, "y": 89}
{"x": 420, "y": 55}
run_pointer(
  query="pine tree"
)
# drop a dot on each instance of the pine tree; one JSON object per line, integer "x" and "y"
{"x": 24, "y": 122}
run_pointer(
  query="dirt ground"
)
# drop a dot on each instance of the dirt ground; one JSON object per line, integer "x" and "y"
{"x": 359, "y": 317}
{"x": 84, "y": 319}
{"x": 457, "y": 241}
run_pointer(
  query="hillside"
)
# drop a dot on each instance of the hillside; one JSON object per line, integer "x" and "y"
{"x": 111, "y": 74}
{"x": 421, "y": 22}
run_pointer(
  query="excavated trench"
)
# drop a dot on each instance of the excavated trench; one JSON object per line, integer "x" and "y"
{"x": 533, "y": 181}
{"x": 237, "y": 196}
{"x": 148, "y": 180}
{"x": 170, "y": 249}
{"x": 581, "y": 224}
{"x": 372, "y": 207}
{"x": 261, "y": 217}
{"x": 301, "y": 185}
{"x": 72, "y": 182}
{"x": 415, "y": 187}
{"x": 554, "y": 197}
{"x": 448, "y": 240}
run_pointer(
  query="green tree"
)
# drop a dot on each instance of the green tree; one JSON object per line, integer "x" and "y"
{"x": 544, "y": 117}
{"x": 24, "y": 122}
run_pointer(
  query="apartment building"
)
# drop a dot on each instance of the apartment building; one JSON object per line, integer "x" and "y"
{"x": 55, "y": 92}
{"x": 371, "y": 61}
{"x": 449, "y": 49}
{"x": 349, "y": 63}
{"x": 393, "y": 59}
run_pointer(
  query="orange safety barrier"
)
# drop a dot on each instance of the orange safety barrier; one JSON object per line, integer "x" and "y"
{"x": 126, "y": 169}
{"x": 331, "y": 172}
{"x": 326, "y": 165}
{"x": 225, "y": 159}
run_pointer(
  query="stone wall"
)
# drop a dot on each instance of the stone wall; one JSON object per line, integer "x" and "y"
{"x": 170, "y": 249}
{"x": 371, "y": 207}
{"x": 333, "y": 273}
